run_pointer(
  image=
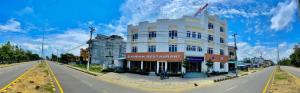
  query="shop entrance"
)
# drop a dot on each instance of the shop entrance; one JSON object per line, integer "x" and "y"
{"x": 161, "y": 66}
{"x": 194, "y": 66}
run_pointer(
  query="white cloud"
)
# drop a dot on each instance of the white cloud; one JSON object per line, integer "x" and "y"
{"x": 11, "y": 25}
{"x": 245, "y": 50}
{"x": 26, "y": 10}
{"x": 283, "y": 14}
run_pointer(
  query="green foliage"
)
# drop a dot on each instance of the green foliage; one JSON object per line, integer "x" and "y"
{"x": 67, "y": 57}
{"x": 13, "y": 54}
{"x": 294, "y": 59}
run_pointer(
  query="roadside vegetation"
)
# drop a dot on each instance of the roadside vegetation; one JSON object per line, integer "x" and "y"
{"x": 293, "y": 60}
{"x": 37, "y": 80}
{"x": 14, "y": 54}
{"x": 284, "y": 83}
{"x": 93, "y": 67}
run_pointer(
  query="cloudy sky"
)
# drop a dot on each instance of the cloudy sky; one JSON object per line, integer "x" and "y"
{"x": 260, "y": 24}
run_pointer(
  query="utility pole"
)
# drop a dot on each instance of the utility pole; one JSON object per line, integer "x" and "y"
{"x": 57, "y": 54}
{"x": 43, "y": 46}
{"x": 235, "y": 52}
{"x": 278, "y": 53}
{"x": 90, "y": 47}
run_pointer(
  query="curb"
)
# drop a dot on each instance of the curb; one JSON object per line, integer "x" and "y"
{"x": 225, "y": 78}
{"x": 81, "y": 70}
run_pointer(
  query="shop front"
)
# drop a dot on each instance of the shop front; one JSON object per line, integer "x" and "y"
{"x": 194, "y": 64}
{"x": 156, "y": 61}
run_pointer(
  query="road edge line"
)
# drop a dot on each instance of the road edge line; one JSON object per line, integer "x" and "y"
{"x": 269, "y": 80}
{"x": 56, "y": 80}
{"x": 23, "y": 74}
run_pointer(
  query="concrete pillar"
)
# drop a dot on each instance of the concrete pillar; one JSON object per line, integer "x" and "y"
{"x": 166, "y": 66}
{"x": 157, "y": 67}
{"x": 128, "y": 64}
{"x": 182, "y": 68}
{"x": 142, "y": 65}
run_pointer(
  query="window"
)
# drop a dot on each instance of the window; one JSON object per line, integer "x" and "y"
{"x": 221, "y": 65}
{"x": 172, "y": 48}
{"x": 221, "y": 52}
{"x": 134, "y": 49}
{"x": 172, "y": 34}
{"x": 188, "y": 48}
{"x": 199, "y": 35}
{"x": 221, "y": 40}
{"x": 152, "y": 34}
{"x": 134, "y": 36}
{"x": 221, "y": 29}
{"x": 210, "y": 26}
{"x": 199, "y": 49}
{"x": 188, "y": 34}
{"x": 193, "y": 48}
{"x": 210, "y": 51}
{"x": 152, "y": 48}
{"x": 194, "y": 34}
{"x": 210, "y": 38}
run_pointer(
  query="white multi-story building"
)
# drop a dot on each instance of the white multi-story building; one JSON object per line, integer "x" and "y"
{"x": 165, "y": 44}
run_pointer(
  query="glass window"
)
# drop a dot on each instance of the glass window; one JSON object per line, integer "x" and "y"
{"x": 172, "y": 48}
{"x": 210, "y": 38}
{"x": 152, "y": 48}
{"x": 134, "y": 37}
{"x": 210, "y": 51}
{"x": 221, "y": 65}
{"x": 188, "y": 34}
{"x": 134, "y": 49}
{"x": 193, "y": 48}
{"x": 152, "y": 34}
{"x": 194, "y": 34}
{"x": 188, "y": 48}
{"x": 221, "y": 52}
{"x": 221, "y": 29}
{"x": 199, "y": 49}
{"x": 172, "y": 34}
{"x": 210, "y": 26}
{"x": 221, "y": 40}
{"x": 199, "y": 35}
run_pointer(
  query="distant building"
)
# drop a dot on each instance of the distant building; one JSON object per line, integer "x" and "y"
{"x": 267, "y": 63}
{"x": 165, "y": 44}
{"x": 231, "y": 58}
{"x": 257, "y": 61}
{"x": 84, "y": 54}
{"x": 108, "y": 51}
{"x": 231, "y": 53}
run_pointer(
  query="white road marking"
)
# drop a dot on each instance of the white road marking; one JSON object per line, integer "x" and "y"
{"x": 230, "y": 88}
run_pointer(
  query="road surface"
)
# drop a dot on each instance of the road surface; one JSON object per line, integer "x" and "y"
{"x": 73, "y": 81}
{"x": 295, "y": 71}
{"x": 253, "y": 83}
{"x": 8, "y": 74}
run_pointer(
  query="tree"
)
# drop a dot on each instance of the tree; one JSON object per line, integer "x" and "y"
{"x": 54, "y": 57}
{"x": 67, "y": 57}
{"x": 295, "y": 57}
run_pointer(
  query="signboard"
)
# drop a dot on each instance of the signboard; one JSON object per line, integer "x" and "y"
{"x": 195, "y": 59}
{"x": 216, "y": 58}
{"x": 156, "y": 56}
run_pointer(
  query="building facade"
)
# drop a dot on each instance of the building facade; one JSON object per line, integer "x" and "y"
{"x": 108, "y": 51}
{"x": 165, "y": 44}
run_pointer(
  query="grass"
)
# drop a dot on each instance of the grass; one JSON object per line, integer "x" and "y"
{"x": 280, "y": 75}
{"x": 93, "y": 68}
{"x": 49, "y": 88}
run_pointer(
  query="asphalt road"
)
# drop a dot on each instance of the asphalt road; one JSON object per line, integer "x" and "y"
{"x": 8, "y": 74}
{"x": 295, "y": 71}
{"x": 253, "y": 83}
{"x": 73, "y": 81}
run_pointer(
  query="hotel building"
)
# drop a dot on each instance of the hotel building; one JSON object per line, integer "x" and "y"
{"x": 178, "y": 45}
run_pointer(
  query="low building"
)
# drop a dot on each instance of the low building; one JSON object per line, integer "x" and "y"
{"x": 84, "y": 54}
{"x": 232, "y": 58}
{"x": 165, "y": 44}
{"x": 108, "y": 50}
{"x": 257, "y": 61}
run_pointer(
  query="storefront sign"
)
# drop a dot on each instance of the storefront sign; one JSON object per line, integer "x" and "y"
{"x": 216, "y": 58}
{"x": 195, "y": 59}
{"x": 156, "y": 56}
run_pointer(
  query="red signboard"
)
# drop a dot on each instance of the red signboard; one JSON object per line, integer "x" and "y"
{"x": 156, "y": 56}
{"x": 216, "y": 58}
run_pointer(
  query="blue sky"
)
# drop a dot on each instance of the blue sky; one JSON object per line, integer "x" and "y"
{"x": 260, "y": 24}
